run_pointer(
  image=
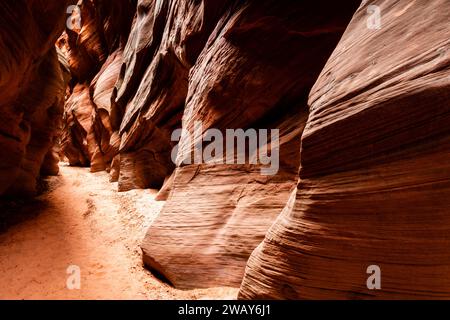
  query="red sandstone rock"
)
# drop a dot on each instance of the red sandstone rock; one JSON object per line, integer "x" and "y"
{"x": 217, "y": 214}
{"x": 208, "y": 61}
{"x": 163, "y": 45}
{"x": 48, "y": 92}
{"x": 78, "y": 127}
{"x": 375, "y": 170}
{"x": 31, "y": 90}
{"x": 94, "y": 55}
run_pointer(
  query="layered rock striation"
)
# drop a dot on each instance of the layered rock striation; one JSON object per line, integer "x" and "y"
{"x": 374, "y": 177}
{"x": 150, "y": 88}
{"x": 217, "y": 213}
{"x": 228, "y": 65}
{"x": 32, "y": 87}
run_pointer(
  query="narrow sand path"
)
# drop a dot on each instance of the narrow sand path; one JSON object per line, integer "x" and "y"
{"x": 83, "y": 221}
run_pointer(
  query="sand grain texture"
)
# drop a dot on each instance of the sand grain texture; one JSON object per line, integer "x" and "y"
{"x": 83, "y": 221}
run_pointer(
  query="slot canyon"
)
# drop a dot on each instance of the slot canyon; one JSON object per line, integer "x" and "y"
{"x": 94, "y": 179}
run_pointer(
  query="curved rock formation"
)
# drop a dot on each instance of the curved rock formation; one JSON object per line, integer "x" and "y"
{"x": 217, "y": 213}
{"x": 164, "y": 44}
{"x": 94, "y": 56}
{"x": 77, "y": 142}
{"x": 31, "y": 92}
{"x": 375, "y": 172}
{"x": 187, "y": 62}
{"x": 369, "y": 139}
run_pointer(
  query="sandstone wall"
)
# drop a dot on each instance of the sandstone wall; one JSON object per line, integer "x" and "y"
{"x": 217, "y": 213}
{"x": 363, "y": 175}
{"x": 226, "y": 64}
{"x": 374, "y": 176}
{"x": 93, "y": 49}
{"x": 31, "y": 92}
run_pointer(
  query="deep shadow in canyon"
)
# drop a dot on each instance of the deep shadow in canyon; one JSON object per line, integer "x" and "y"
{"x": 16, "y": 211}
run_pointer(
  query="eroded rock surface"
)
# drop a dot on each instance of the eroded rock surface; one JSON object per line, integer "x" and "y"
{"x": 375, "y": 172}
{"x": 226, "y": 65}
{"x": 369, "y": 139}
{"x": 31, "y": 92}
{"x": 93, "y": 48}
{"x": 216, "y": 213}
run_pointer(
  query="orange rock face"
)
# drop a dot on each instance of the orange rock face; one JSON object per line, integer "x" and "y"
{"x": 77, "y": 141}
{"x": 375, "y": 173}
{"x": 93, "y": 51}
{"x": 151, "y": 92}
{"x": 363, "y": 173}
{"x": 31, "y": 92}
{"x": 187, "y": 62}
{"x": 216, "y": 214}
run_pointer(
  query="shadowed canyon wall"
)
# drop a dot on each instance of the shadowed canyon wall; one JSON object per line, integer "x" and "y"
{"x": 32, "y": 87}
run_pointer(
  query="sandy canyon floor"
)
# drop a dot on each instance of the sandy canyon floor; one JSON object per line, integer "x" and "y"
{"x": 81, "y": 220}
